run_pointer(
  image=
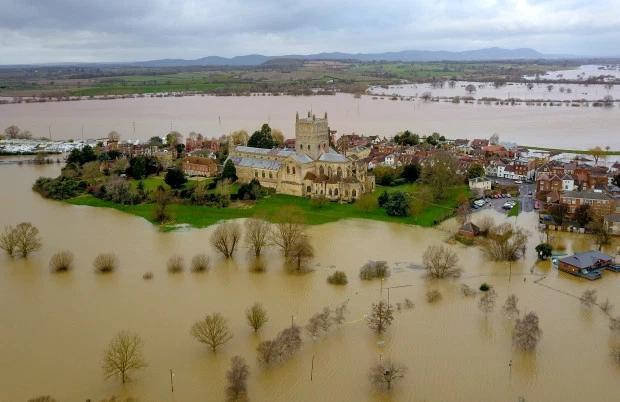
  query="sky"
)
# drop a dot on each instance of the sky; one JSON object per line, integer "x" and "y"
{"x": 41, "y": 31}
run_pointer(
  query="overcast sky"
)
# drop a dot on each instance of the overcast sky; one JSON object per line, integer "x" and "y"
{"x": 34, "y": 31}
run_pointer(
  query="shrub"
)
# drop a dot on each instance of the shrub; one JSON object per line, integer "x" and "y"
{"x": 105, "y": 262}
{"x": 337, "y": 278}
{"x": 374, "y": 269}
{"x": 175, "y": 264}
{"x": 397, "y": 204}
{"x": 61, "y": 261}
{"x": 175, "y": 178}
{"x": 433, "y": 296}
{"x": 466, "y": 290}
{"x": 147, "y": 276}
{"x": 485, "y": 287}
{"x": 200, "y": 263}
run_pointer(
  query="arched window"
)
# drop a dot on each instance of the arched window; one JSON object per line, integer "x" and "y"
{"x": 353, "y": 193}
{"x": 270, "y": 175}
{"x": 308, "y": 189}
{"x": 330, "y": 192}
{"x": 335, "y": 191}
{"x": 256, "y": 173}
{"x": 321, "y": 171}
{"x": 346, "y": 193}
{"x": 339, "y": 172}
{"x": 301, "y": 147}
{"x": 263, "y": 174}
{"x": 293, "y": 169}
{"x": 329, "y": 171}
{"x": 308, "y": 147}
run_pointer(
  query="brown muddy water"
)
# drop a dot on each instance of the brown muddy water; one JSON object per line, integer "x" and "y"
{"x": 54, "y": 327}
{"x": 564, "y": 127}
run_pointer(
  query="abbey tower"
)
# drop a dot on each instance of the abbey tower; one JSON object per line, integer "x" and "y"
{"x": 311, "y": 135}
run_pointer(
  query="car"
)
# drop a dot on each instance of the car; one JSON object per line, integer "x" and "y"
{"x": 518, "y": 182}
{"x": 529, "y": 193}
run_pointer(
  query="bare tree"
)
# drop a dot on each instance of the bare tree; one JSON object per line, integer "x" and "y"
{"x": 225, "y": 238}
{"x": 256, "y": 235}
{"x": 200, "y": 263}
{"x": 505, "y": 243}
{"x": 123, "y": 355}
{"x": 494, "y": 139}
{"x": 385, "y": 373}
{"x": 256, "y": 316}
{"x": 433, "y": 296}
{"x": 470, "y": 88}
{"x": 600, "y": 231}
{"x": 439, "y": 172}
{"x": 288, "y": 230}
{"x": 588, "y": 298}
{"x": 606, "y": 307}
{"x": 278, "y": 137}
{"x": 596, "y": 152}
{"x": 440, "y": 262}
{"x": 8, "y": 242}
{"x": 26, "y": 237}
{"x": 527, "y": 332}
{"x": 340, "y": 312}
{"x": 105, "y": 262}
{"x": 486, "y": 304}
{"x": 237, "y": 378}
{"x": 467, "y": 290}
{"x": 374, "y": 269}
{"x": 614, "y": 324}
{"x": 381, "y": 316}
{"x": 175, "y": 264}
{"x": 162, "y": 198}
{"x": 485, "y": 224}
{"x": 61, "y": 261}
{"x": 320, "y": 322}
{"x": 300, "y": 253}
{"x": 213, "y": 331}
{"x": 510, "y": 308}
{"x": 284, "y": 346}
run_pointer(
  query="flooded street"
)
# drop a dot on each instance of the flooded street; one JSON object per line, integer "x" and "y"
{"x": 566, "y": 127}
{"x": 55, "y": 327}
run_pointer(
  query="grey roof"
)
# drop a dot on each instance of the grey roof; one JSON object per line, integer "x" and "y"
{"x": 332, "y": 156}
{"x": 586, "y": 259}
{"x": 613, "y": 218}
{"x": 265, "y": 151}
{"x": 255, "y": 163}
{"x": 301, "y": 158}
{"x": 590, "y": 195}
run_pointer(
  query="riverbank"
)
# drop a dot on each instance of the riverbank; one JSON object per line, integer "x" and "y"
{"x": 315, "y": 214}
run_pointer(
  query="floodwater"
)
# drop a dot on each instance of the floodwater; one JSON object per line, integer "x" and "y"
{"x": 141, "y": 118}
{"x": 55, "y": 326}
{"x": 582, "y": 72}
{"x": 516, "y": 90}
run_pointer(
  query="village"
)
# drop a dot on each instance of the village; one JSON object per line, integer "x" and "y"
{"x": 575, "y": 192}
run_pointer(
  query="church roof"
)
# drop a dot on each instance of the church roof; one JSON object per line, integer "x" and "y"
{"x": 301, "y": 158}
{"x": 265, "y": 151}
{"x": 255, "y": 163}
{"x": 332, "y": 156}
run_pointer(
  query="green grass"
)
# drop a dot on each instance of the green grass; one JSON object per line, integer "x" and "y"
{"x": 514, "y": 211}
{"x": 268, "y": 207}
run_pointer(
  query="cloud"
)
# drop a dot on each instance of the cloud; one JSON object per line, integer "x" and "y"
{"x": 115, "y": 30}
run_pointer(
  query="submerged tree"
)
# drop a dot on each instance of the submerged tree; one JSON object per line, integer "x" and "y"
{"x": 300, "y": 253}
{"x": 212, "y": 331}
{"x": 284, "y": 346}
{"x": 588, "y": 298}
{"x": 527, "y": 333}
{"x": 256, "y": 316}
{"x": 124, "y": 354}
{"x": 505, "y": 243}
{"x": 62, "y": 261}
{"x": 385, "y": 373}
{"x": 440, "y": 262}
{"x": 381, "y": 317}
{"x": 200, "y": 263}
{"x": 22, "y": 239}
{"x": 256, "y": 235}
{"x": 486, "y": 304}
{"x": 237, "y": 378}
{"x": 510, "y": 308}
{"x": 288, "y": 230}
{"x": 225, "y": 238}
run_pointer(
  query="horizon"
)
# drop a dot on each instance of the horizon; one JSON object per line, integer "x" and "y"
{"x": 63, "y": 31}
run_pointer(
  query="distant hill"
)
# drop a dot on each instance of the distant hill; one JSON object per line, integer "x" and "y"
{"x": 493, "y": 53}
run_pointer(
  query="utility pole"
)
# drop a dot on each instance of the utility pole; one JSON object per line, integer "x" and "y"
{"x": 171, "y": 381}
{"x": 312, "y": 368}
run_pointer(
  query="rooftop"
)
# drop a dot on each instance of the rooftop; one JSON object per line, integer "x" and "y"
{"x": 586, "y": 259}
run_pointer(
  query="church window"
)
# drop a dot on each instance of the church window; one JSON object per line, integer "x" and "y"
{"x": 321, "y": 171}
{"x": 336, "y": 191}
{"x": 308, "y": 147}
{"x": 339, "y": 172}
{"x": 293, "y": 169}
{"x": 288, "y": 170}
{"x": 353, "y": 193}
{"x": 330, "y": 192}
{"x": 308, "y": 189}
{"x": 270, "y": 175}
{"x": 256, "y": 173}
{"x": 263, "y": 174}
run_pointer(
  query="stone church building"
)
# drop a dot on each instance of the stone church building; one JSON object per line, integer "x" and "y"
{"x": 313, "y": 169}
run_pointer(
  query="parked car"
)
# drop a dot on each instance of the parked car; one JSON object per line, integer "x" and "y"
{"x": 518, "y": 182}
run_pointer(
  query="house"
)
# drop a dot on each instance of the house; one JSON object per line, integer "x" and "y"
{"x": 199, "y": 166}
{"x": 612, "y": 223}
{"x": 479, "y": 143}
{"x": 482, "y": 183}
{"x": 587, "y": 264}
{"x": 390, "y": 160}
{"x": 568, "y": 183}
{"x": 469, "y": 230}
{"x": 601, "y": 203}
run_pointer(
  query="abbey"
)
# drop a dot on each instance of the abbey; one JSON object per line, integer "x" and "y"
{"x": 313, "y": 169}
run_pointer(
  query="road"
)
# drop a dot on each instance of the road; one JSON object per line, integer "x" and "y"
{"x": 525, "y": 199}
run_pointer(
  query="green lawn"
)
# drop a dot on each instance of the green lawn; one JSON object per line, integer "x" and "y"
{"x": 268, "y": 207}
{"x": 514, "y": 211}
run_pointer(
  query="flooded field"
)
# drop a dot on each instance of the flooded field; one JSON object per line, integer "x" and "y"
{"x": 141, "y": 118}
{"x": 55, "y": 326}
{"x": 538, "y": 91}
